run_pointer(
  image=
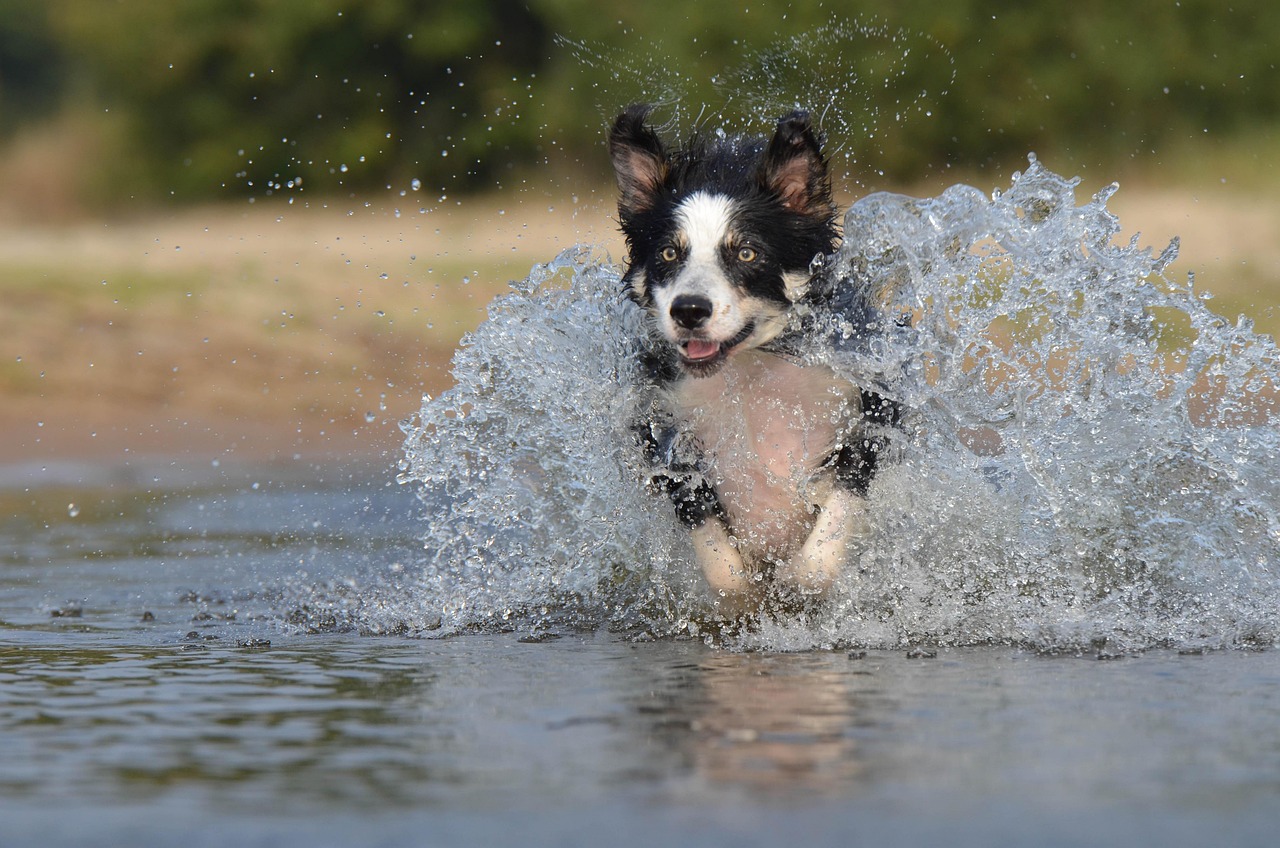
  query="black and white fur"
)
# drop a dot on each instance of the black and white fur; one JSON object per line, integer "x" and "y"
{"x": 764, "y": 458}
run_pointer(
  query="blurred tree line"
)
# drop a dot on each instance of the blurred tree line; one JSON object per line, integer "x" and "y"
{"x": 206, "y": 98}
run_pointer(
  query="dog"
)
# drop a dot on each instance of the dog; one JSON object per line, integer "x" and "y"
{"x": 766, "y": 459}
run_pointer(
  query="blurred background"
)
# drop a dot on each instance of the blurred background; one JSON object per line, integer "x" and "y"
{"x": 258, "y": 228}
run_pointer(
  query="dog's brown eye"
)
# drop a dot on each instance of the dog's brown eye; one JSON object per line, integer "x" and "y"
{"x": 746, "y": 254}
{"x": 668, "y": 254}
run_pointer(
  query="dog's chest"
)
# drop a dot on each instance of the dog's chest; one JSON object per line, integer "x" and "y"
{"x": 766, "y": 425}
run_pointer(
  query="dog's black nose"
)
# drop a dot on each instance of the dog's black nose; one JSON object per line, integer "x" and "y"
{"x": 690, "y": 311}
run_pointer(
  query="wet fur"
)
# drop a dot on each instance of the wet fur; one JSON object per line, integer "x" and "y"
{"x": 764, "y": 459}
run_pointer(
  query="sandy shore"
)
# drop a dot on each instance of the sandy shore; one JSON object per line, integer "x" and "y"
{"x": 273, "y": 331}
{"x": 263, "y": 331}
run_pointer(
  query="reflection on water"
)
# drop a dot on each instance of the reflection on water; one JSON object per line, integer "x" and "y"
{"x": 782, "y": 726}
{"x": 394, "y": 723}
{"x": 152, "y": 691}
{"x": 373, "y": 730}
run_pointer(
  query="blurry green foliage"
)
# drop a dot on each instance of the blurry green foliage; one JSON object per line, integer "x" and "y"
{"x": 235, "y": 96}
{"x": 259, "y": 93}
{"x": 31, "y": 70}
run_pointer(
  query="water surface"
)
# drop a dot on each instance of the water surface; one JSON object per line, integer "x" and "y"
{"x": 217, "y": 721}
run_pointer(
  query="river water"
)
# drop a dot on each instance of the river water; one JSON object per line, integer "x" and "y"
{"x": 215, "y": 721}
{"x": 1060, "y": 631}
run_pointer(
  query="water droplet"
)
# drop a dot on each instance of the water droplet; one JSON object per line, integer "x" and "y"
{"x": 73, "y": 510}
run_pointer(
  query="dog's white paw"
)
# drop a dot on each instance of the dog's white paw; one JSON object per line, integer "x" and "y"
{"x": 721, "y": 563}
{"x": 842, "y": 520}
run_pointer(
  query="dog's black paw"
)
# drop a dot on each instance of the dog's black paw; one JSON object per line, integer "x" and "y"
{"x": 677, "y": 465}
{"x": 694, "y": 499}
{"x": 855, "y": 462}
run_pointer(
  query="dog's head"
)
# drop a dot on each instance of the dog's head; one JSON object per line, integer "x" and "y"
{"x": 721, "y": 233}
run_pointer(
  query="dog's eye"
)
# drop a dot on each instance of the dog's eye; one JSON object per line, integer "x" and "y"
{"x": 747, "y": 254}
{"x": 669, "y": 254}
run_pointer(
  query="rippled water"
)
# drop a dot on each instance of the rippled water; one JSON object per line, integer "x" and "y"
{"x": 214, "y": 720}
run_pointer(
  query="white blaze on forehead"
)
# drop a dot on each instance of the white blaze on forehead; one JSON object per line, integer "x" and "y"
{"x": 704, "y": 220}
{"x": 704, "y": 225}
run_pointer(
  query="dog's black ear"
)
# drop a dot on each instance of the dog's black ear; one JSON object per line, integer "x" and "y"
{"x": 794, "y": 169}
{"x": 639, "y": 159}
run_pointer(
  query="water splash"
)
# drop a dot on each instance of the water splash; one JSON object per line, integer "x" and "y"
{"x": 860, "y": 78}
{"x": 527, "y": 464}
{"x": 1089, "y": 456}
{"x": 1092, "y": 456}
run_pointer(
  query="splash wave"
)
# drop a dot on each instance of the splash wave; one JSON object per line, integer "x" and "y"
{"x": 1090, "y": 455}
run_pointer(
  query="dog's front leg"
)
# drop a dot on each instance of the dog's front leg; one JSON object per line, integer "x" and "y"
{"x": 841, "y": 520}
{"x": 698, "y": 509}
{"x": 721, "y": 563}
{"x": 676, "y": 463}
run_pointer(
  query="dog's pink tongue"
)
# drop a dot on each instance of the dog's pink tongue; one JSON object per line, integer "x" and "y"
{"x": 698, "y": 349}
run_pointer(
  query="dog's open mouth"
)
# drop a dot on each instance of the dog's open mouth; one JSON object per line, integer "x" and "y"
{"x": 702, "y": 355}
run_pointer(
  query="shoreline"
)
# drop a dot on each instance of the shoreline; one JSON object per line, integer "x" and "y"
{"x": 256, "y": 333}
{"x": 41, "y": 450}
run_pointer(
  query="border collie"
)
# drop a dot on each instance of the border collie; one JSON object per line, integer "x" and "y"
{"x": 766, "y": 459}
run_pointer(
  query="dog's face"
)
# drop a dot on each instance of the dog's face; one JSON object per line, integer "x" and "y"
{"x": 720, "y": 233}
